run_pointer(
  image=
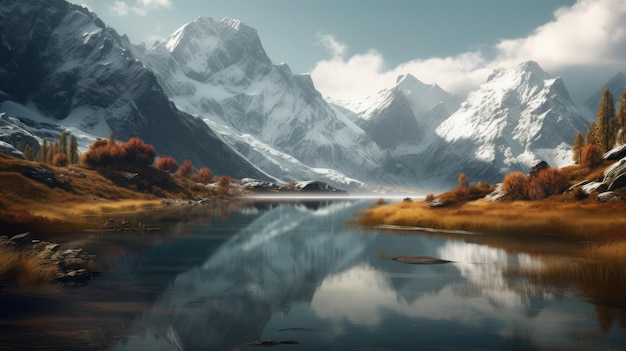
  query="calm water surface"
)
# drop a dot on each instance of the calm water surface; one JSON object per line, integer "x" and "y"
{"x": 299, "y": 272}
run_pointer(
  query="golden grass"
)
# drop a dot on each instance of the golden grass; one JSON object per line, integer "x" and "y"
{"x": 578, "y": 220}
{"x": 599, "y": 272}
{"x": 27, "y": 271}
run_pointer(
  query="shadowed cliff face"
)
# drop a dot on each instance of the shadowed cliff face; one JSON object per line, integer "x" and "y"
{"x": 63, "y": 62}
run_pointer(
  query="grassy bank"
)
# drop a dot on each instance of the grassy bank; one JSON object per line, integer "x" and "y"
{"x": 26, "y": 271}
{"x": 581, "y": 220}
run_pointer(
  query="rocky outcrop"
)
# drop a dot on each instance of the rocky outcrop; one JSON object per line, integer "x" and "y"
{"x": 73, "y": 266}
{"x": 259, "y": 186}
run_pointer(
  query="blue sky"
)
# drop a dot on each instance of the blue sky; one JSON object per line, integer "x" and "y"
{"x": 353, "y": 48}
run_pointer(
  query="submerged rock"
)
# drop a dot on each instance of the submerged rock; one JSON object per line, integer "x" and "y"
{"x": 419, "y": 260}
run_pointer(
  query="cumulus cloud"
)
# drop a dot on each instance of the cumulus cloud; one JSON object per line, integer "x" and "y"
{"x": 141, "y": 7}
{"x": 588, "y": 36}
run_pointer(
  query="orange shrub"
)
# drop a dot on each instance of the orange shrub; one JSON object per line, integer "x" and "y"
{"x": 204, "y": 175}
{"x": 186, "y": 170}
{"x": 133, "y": 153}
{"x": 591, "y": 156}
{"x": 167, "y": 164}
{"x": 60, "y": 160}
{"x": 551, "y": 181}
{"x": 515, "y": 185}
{"x": 224, "y": 181}
{"x": 139, "y": 153}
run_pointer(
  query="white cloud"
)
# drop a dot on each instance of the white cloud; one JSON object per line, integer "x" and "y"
{"x": 588, "y": 35}
{"x": 141, "y": 7}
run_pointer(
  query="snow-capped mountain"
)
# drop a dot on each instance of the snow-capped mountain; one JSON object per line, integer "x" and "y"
{"x": 60, "y": 64}
{"x": 519, "y": 116}
{"x": 616, "y": 85}
{"x": 219, "y": 72}
{"x": 403, "y": 115}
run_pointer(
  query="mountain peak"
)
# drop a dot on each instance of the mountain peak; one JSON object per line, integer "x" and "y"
{"x": 233, "y": 23}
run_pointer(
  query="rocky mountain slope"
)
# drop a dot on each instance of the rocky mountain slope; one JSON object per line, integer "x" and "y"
{"x": 219, "y": 72}
{"x": 519, "y": 116}
{"x": 616, "y": 86}
{"x": 60, "y": 64}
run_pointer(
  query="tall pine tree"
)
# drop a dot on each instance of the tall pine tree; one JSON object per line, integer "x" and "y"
{"x": 621, "y": 119}
{"x": 73, "y": 156}
{"x": 577, "y": 147}
{"x": 606, "y": 114}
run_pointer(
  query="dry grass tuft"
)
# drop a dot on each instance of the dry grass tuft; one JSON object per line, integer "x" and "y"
{"x": 27, "y": 271}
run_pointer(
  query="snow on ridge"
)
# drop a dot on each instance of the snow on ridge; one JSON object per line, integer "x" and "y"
{"x": 231, "y": 22}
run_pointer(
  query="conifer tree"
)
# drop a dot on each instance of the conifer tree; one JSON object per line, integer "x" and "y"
{"x": 62, "y": 143}
{"x": 111, "y": 139}
{"x": 73, "y": 156}
{"x": 579, "y": 142}
{"x": 590, "y": 137}
{"x": 621, "y": 118}
{"x": 28, "y": 153}
{"x": 605, "y": 115}
{"x": 43, "y": 150}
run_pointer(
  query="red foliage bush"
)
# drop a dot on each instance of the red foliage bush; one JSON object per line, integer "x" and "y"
{"x": 549, "y": 181}
{"x": 204, "y": 175}
{"x": 224, "y": 181}
{"x": 133, "y": 153}
{"x": 139, "y": 153}
{"x": 60, "y": 160}
{"x": 591, "y": 156}
{"x": 515, "y": 185}
{"x": 186, "y": 170}
{"x": 167, "y": 164}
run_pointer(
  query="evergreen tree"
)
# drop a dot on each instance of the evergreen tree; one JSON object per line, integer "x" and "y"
{"x": 73, "y": 156}
{"x": 62, "y": 143}
{"x": 111, "y": 139}
{"x": 621, "y": 118}
{"x": 28, "y": 153}
{"x": 590, "y": 137}
{"x": 43, "y": 150}
{"x": 579, "y": 142}
{"x": 605, "y": 115}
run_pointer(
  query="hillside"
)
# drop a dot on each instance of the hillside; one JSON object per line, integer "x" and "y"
{"x": 33, "y": 194}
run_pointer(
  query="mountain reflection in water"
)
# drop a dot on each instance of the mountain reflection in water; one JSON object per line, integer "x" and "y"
{"x": 299, "y": 272}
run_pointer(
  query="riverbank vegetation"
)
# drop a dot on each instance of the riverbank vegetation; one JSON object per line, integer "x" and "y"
{"x": 109, "y": 177}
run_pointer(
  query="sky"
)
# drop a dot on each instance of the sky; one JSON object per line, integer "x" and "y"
{"x": 355, "y": 48}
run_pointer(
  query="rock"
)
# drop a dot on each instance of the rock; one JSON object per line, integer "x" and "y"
{"x": 271, "y": 342}
{"x": 593, "y": 186}
{"x": 497, "y": 194}
{"x": 538, "y": 167}
{"x": 607, "y": 196}
{"x": 616, "y": 153}
{"x": 419, "y": 260}
{"x": 615, "y": 176}
{"x": 22, "y": 240}
{"x": 74, "y": 276}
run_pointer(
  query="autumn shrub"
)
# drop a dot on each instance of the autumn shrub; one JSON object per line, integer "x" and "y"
{"x": 60, "y": 160}
{"x": 139, "y": 153}
{"x": 186, "y": 170}
{"x": 204, "y": 175}
{"x": 167, "y": 164}
{"x": 579, "y": 193}
{"x": 224, "y": 181}
{"x": 133, "y": 153}
{"x": 430, "y": 197}
{"x": 552, "y": 181}
{"x": 591, "y": 156}
{"x": 515, "y": 185}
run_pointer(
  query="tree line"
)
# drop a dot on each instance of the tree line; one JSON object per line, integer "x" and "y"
{"x": 608, "y": 130}
{"x": 109, "y": 153}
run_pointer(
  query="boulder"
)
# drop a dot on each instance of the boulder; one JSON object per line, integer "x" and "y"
{"x": 538, "y": 167}
{"x": 22, "y": 240}
{"x": 615, "y": 176}
{"x": 607, "y": 196}
{"x": 617, "y": 153}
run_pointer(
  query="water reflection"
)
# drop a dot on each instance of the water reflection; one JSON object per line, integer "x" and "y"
{"x": 299, "y": 272}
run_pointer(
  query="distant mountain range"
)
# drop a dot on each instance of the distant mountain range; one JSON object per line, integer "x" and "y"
{"x": 210, "y": 93}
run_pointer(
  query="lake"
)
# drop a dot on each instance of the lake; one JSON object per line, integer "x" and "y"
{"x": 300, "y": 272}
